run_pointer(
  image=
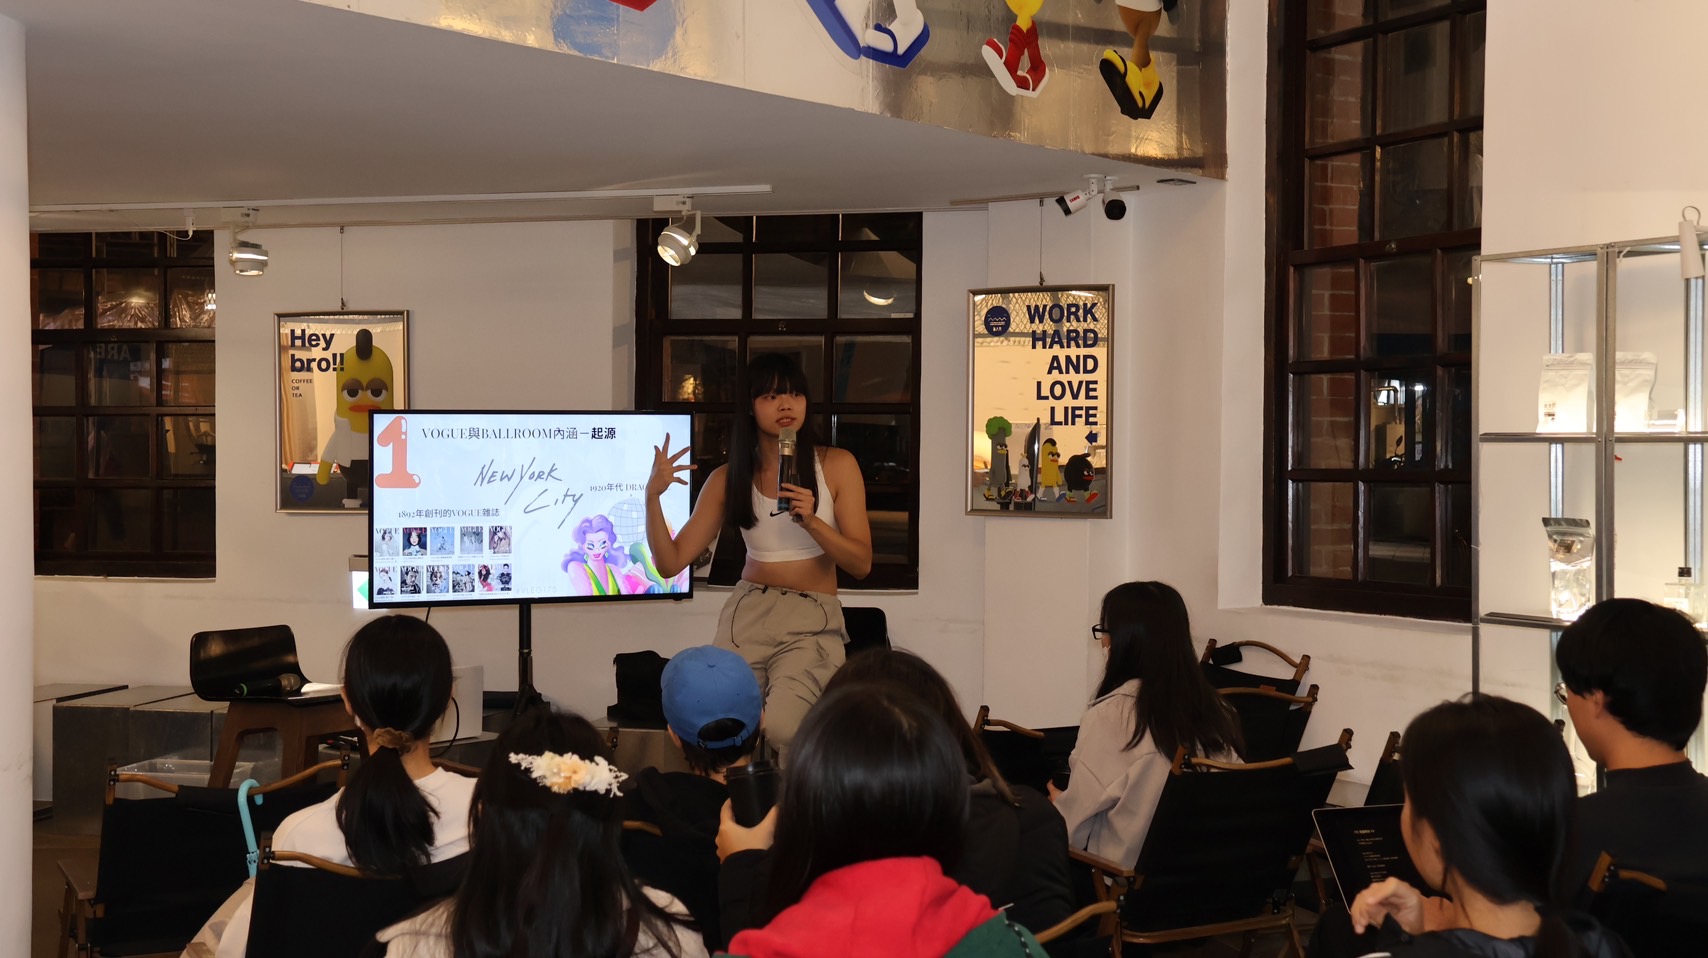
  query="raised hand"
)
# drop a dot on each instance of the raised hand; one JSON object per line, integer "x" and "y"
{"x": 665, "y": 468}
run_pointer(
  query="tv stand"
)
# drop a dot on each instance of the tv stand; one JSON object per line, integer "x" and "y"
{"x": 528, "y": 698}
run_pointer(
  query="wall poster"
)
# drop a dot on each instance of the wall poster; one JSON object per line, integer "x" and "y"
{"x": 1039, "y": 400}
{"x": 335, "y": 368}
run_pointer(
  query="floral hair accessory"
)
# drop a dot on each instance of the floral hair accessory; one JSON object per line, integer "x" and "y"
{"x": 569, "y": 773}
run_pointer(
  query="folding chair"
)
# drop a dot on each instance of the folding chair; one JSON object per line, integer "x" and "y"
{"x": 1654, "y": 916}
{"x": 1025, "y": 756}
{"x": 1272, "y": 722}
{"x": 1222, "y": 850}
{"x": 333, "y": 910}
{"x": 1217, "y": 658}
{"x": 165, "y": 864}
{"x": 1386, "y": 787}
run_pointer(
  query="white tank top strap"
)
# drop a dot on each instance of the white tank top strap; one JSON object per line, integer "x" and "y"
{"x": 778, "y": 538}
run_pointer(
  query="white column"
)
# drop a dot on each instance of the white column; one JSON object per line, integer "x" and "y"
{"x": 17, "y": 563}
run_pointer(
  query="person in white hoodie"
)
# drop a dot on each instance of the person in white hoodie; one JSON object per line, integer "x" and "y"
{"x": 1153, "y": 701}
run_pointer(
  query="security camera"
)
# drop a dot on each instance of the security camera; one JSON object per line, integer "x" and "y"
{"x": 1113, "y": 206}
{"x": 1072, "y": 203}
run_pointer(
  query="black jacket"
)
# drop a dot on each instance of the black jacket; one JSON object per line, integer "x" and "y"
{"x": 686, "y": 808}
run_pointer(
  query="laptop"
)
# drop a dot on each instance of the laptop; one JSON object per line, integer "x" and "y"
{"x": 1365, "y": 845}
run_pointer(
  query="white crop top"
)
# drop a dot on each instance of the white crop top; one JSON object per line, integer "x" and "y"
{"x": 780, "y": 538}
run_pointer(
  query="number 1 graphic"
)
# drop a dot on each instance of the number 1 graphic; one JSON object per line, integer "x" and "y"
{"x": 396, "y": 436}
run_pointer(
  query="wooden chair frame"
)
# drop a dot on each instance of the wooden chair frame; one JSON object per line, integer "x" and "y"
{"x": 984, "y": 721}
{"x": 1300, "y": 665}
{"x": 1305, "y": 702}
{"x": 1605, "y": 871}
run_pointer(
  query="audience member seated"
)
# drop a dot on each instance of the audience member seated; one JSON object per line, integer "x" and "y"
{"x": 1153, "y": 701}
{"x": 1015, "y": 848}
{"x": 871, "y": 820}
{"x": 713, "y": 708}
{"x": 398, "y": 811}
{"x": 546, "y": 877}
{"x": 1489, "y": 796}
{"x": 1634, "y": 676}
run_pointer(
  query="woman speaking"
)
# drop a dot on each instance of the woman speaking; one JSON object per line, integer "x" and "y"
{"x": 783, "y": 617}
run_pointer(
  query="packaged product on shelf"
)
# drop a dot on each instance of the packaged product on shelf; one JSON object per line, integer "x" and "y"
{"x": 1633, "y": 392}
{"x": 1571, "y": 566}
{"x": 1567, "y": 394}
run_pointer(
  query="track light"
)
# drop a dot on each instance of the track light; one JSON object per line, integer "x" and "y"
{"x": 247, "y": 258}
{"x": 676, "y": 245}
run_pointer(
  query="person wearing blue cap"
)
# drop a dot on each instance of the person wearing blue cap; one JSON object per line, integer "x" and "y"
{"x": 713, "y": 707}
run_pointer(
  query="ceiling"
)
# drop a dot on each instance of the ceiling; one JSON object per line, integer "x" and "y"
{"x": 208, "y": 103}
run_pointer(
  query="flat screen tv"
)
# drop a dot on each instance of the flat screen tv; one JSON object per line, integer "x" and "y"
{"x": 500, "y": 508}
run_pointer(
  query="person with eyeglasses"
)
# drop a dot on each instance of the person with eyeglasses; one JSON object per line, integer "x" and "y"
{"x": 1634, "y": 675}
{"x": 1153, "y": 700}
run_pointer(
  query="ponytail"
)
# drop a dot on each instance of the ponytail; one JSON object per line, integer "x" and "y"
{"x": 397, "y": 678}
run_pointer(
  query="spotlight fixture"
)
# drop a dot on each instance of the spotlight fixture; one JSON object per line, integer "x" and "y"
{"x": 1113, "y": 206}
{"x": 676, "y": 245}
{"x": 247, "y": 258}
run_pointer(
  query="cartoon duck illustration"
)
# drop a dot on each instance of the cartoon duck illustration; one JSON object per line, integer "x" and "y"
{"x": 364, "y": 385}
{"x": 1050, "y": 473}
{"x": 895, "y": 44}
{"x": 1004, "y": 61}
{"x": 1133, "y": 81}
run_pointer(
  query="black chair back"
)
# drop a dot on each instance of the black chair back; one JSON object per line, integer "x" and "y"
{"x": 1272, "y": 724}
{"x": 308, "y": 911}
{"x": 868, "y": 628}
{"x": 1218, "y": 657}
{"x": 221, "y": 661}
{"x": 1029, "y": 757}
{"x": 1654, "y": 921}
{"x": 1386, "y": 786}
{"x": 1223, "y": 677}
{"x": 1225, "y": 845}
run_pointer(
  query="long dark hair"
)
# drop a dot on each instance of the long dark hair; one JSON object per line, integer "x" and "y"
{"x": 397, "y": 676}
{"x": 767, "y": 373}
{"x": 904, "y": 670}
{"x": 1150, "y": 639}
{"x": 873, "y": 773}
{"x": 546, "y": 875}
{"x": 1494, "y": 781}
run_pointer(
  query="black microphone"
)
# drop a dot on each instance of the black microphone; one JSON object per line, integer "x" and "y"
{"x": 281, "y": 686}
{"x": 785, "y": 465}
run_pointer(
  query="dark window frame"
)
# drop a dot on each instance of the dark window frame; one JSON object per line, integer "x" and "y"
{"x": 654, "y": 324}
{"x": 1289, "y": 249}
{"x": 170, "y": 253}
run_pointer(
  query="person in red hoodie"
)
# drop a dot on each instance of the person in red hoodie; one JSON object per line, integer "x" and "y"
{"x": 874, "y": 802}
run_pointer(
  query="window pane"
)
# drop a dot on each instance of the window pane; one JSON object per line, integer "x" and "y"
{"x": 189, "y": 520}
{"x": 1402, "y": 520}
{"x": 119, "y": 446}
{"x": 123, "y": 520}
{"x": 1476, "y": 31}
{"x": 56, "y": 447}
{"x": 56, "y": 520}
{"x": 1402, "y": 306}
{"x": 791, "y": 285}
{"x": 1402, "y": 417}
{"x": 1456, "y": 300}
{"x": 55, "y": 370}
{"x": 187, "y": 445}
{"x": 1414, "y": 187}
{"x": 61, "y": 245}
{"x": 878, "y": 285}
{"x": 711, "y": 448}
{"x": 1415, "y": 70}
{"x": 1458, "y": 572}
{"x": 1470, "y": 212}
{"x": 817, "y": 229}
{"x": 874, "y": 369}
{"x": 1459, "y": 417}
{"x": 887, "y": 513}
{"x": 708, "y": 287}
{"x": 127, "y": 298}
{"x": 806, "y": 350}
{"x": 56, "y": 298}
{"x": 200, "y": 246}
{"x": 1400, "y": 8}
{"x": 187, "y": 374}
{"x": 1330, "y": 16}
{"x": 1322, "y": 529}
{"x": 882, "y": 446}
{"x": 1335, "y": 103}
{"x": 1326, "y": 408}
{"x": 1326, "y": 302}
{"x": 121, "y": 374}
{"x": 725, "y": 229}
{"x": 191, "y": 298}
{"x": 140, "y": 244}
{"x": 700, "y": 368}
{"x": 1335, "y": 200}
{"x": 902, "y": 230}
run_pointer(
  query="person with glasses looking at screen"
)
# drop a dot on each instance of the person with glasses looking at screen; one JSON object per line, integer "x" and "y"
{"x": 1153, "y": 700}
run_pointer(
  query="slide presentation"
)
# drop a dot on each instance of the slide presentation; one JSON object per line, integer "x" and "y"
{"x": 503, "y": 507}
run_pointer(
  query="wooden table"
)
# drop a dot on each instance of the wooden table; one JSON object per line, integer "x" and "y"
{"x": 301, "y": 729}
